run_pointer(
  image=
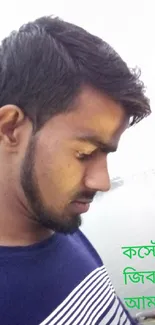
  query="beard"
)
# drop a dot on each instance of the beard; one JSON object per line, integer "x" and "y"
{"x": 39, "y": 213}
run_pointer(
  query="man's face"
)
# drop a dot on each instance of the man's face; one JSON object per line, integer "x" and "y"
{"x": 65, "y": 163}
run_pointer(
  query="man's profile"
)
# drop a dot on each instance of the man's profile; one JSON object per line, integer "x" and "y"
{"x": 66, "y": 97}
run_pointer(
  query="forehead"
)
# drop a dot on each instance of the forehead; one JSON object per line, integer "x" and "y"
{"x": 98, "y": 113}
{"x": 91, "y": 113}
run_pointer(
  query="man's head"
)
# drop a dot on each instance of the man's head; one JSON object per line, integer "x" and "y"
{"x": 66, "y": 97}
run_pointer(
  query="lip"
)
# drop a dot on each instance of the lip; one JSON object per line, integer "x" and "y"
{"x": 81, "y": 206}
{"x": 84, "y": 201}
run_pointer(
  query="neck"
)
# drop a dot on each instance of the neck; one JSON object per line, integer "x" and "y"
{"x": 16, "y": 227}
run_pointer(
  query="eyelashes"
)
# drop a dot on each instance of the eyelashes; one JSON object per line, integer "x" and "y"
{"x": 83, "y": 156}
{"x": 86, "y": 156}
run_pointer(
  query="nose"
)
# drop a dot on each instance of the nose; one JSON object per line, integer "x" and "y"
{"x": 97, "y": 177}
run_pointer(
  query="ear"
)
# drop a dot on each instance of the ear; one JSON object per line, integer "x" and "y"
{"x": 11, "y": 118}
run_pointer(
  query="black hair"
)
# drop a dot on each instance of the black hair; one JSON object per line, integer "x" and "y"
{"x": 45, "y": 63}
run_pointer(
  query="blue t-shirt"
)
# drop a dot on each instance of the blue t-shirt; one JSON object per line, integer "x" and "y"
{"x": 61, "y": 280}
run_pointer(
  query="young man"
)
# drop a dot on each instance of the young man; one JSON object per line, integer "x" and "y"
{"x": 66, "y": 97}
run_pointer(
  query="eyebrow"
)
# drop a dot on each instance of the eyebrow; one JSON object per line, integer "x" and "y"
{"x": 105, "y": 147}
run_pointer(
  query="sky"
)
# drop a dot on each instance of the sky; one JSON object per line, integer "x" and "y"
{"x": 129, "y": 27}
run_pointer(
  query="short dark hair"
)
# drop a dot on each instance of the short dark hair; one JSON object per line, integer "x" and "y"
{"x": 44, "y": 65}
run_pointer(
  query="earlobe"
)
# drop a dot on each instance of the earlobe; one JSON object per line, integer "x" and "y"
{"x": 11, "y": 117}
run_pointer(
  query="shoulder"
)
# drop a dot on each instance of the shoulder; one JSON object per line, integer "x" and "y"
{"x": 83, "y": 240}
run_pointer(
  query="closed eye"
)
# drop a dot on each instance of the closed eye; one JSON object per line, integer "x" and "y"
{"x": 84, "y": 156}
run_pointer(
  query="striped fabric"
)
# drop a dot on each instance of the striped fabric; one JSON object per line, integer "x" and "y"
{"x": 92, "y": 302}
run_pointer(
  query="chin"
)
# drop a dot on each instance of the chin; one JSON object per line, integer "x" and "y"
{"x": 63, "y": 224}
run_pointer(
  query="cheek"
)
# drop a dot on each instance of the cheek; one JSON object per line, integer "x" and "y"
{"x": 68, "y": 171}
{"x": 59, "y": 174}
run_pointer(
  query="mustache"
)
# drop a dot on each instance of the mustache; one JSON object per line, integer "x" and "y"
{"x": 85, "y": 196}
